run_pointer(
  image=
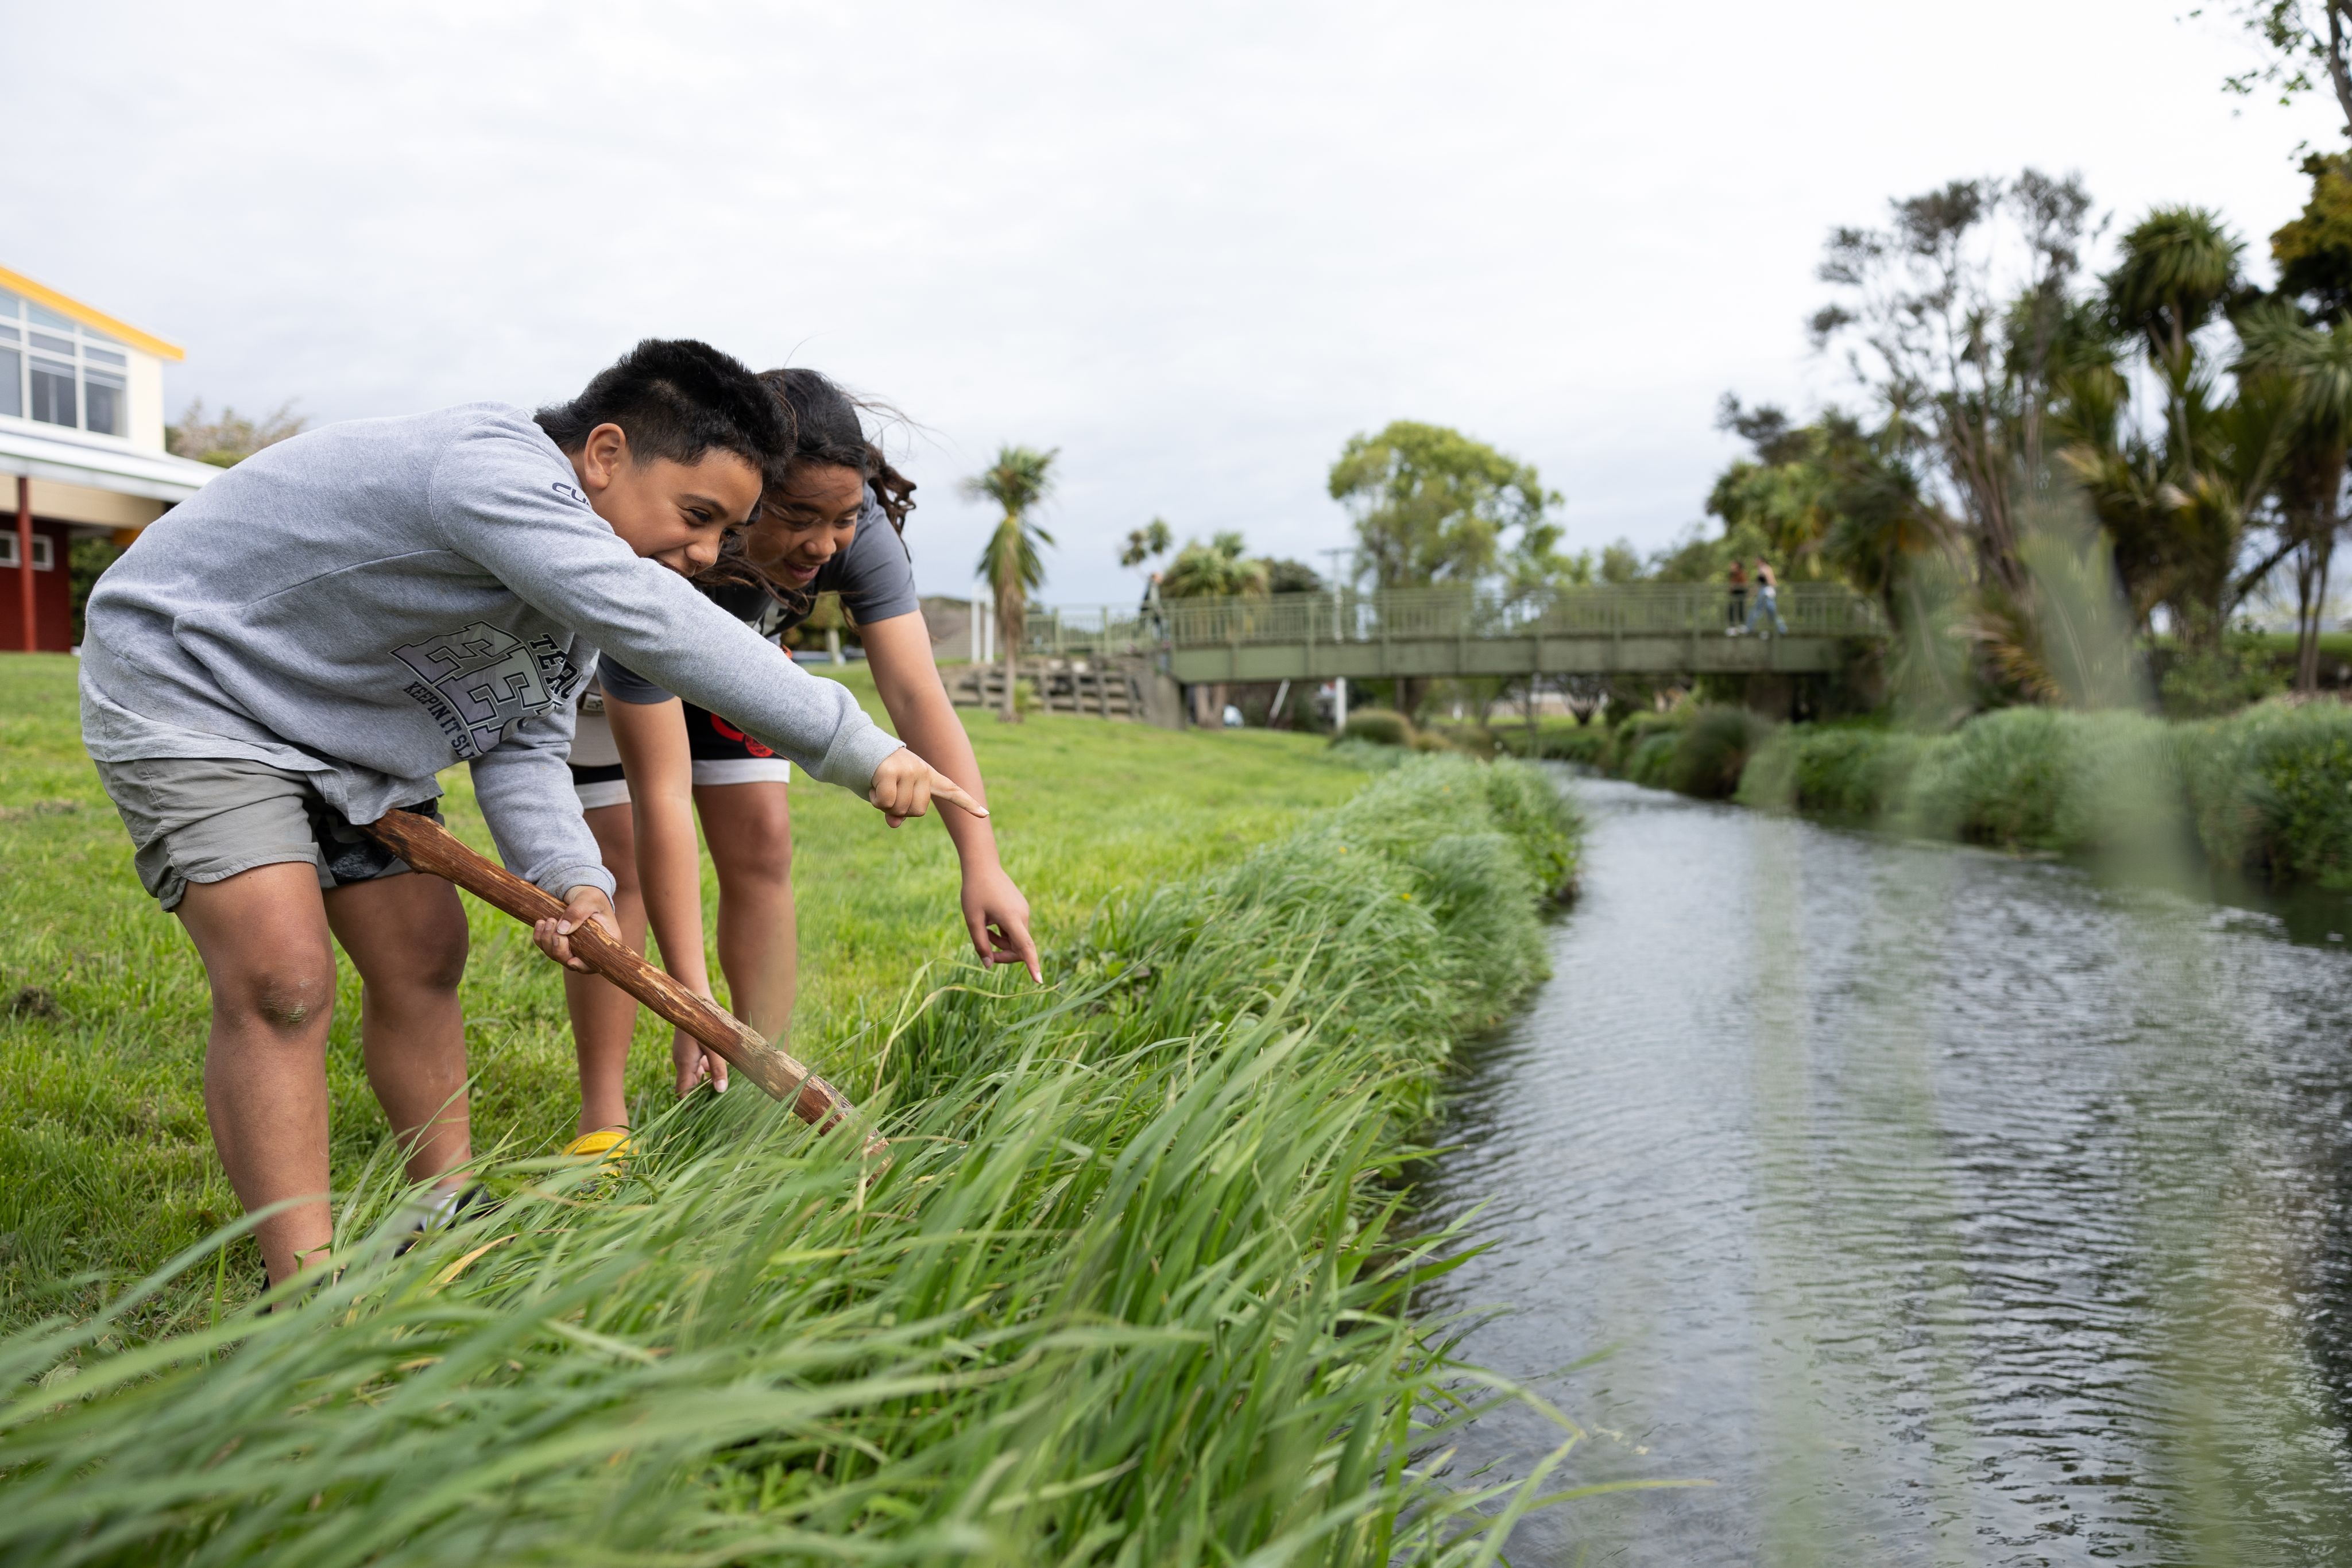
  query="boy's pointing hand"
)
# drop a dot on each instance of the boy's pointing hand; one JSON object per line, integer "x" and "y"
{"x": 904, "y": 786}
{"x": 586, "y": 903}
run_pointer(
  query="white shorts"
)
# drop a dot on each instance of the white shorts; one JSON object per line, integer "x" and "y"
{"x": 722, "y": 755}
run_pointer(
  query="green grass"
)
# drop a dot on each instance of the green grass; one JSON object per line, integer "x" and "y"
{"x": 106, "y": 1167}
{"x": 1130, "y": 1290}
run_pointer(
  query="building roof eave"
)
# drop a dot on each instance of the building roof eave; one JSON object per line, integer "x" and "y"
{"x": 123, "y": 471}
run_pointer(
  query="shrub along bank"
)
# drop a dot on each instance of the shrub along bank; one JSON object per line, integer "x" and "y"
{"x": 1128, "y": 1290}
{"x": 2267, "y": 790}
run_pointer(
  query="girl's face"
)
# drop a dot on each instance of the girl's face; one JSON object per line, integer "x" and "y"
{"x": 806, "y": 521}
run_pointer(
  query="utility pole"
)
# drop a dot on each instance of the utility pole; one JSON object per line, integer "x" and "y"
{"x": 1339, "y": 635}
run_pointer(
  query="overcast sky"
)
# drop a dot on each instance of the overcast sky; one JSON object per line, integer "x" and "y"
{"x": 1194, "y": 247}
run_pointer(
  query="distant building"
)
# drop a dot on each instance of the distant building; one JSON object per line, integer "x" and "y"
{"x": 81, "y": 432}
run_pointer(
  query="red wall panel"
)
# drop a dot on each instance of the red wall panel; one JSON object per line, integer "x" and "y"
{"x": 52, "y": 594}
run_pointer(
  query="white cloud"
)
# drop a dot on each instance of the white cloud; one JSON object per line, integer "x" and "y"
{"x": 1195, "y": 248}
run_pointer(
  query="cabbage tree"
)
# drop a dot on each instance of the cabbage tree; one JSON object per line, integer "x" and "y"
{"x": 1018, "y": 482}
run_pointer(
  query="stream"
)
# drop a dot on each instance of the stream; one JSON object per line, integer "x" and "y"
{"x": 1936, "y": 1207}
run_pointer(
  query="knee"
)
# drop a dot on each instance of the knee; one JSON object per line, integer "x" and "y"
{"x": 438, "y": 957}
{"x": 429, "y": 957}
{"x": 292, "y": 996}
{"x": 763, "y": 857}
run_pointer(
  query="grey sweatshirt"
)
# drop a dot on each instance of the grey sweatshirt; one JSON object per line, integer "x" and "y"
{"x": 371, "y": 603}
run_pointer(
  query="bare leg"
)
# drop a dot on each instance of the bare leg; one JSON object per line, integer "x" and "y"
{"x": 406, "y": 936}
{"x": 603, "y": 1016}
{"x": 262, "y": 934}
{"x": 748, "y": 828}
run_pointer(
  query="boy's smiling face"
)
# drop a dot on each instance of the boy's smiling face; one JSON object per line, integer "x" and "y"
{"x": 674, "y": 513}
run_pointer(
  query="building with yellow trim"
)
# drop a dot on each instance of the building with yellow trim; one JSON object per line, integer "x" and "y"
{"x": 81, "y": 432}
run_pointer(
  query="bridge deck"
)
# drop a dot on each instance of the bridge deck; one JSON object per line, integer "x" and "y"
{"x": 1637, "y": 628}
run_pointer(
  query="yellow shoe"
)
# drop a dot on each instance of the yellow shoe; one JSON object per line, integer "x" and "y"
{"x": 610, "y": 1144}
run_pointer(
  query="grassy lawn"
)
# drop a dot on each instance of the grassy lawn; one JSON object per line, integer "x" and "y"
{"x": 106, "y": 1167}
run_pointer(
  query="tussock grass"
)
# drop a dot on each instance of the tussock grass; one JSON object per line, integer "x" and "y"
{"x": 2267, "y": 790}
{"x": 1131, "y": 1289}
{"x": 2270, "y": 790}
{"x": 1695, "y": 749}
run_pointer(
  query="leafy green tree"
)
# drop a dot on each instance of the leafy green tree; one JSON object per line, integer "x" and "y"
{"x": 1020, "y": 480}
{"x": 1221, "y": 566}
{"x": 1432, "y": 505}
{"x": 232, "y": 437}
{"x": 1287, "y": 576}
{"x": 1620, "y": 563}
{"x": 2312, "y": 363}
{"x": 1696, "y": 555}
{"x": 1776, "y": 503}
{"x": 1536, "y": 565}
{"x": 2180, "y": 495}
{"x": 1145, "y": 543}
{"x": 1881, "y": 524}
{"x": 1830, "y": 500}
{"x": 2179, "y": 266}
{"x": 2314, "y": 249}
{"x": 1962, "y": 363}
{"x": 2307, "y": 41}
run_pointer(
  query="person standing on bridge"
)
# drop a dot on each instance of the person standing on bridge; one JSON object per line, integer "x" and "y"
{"x": 829, "y": 522}
{"x": 1767, "y": 598}
{"x": 1737, "y": 579}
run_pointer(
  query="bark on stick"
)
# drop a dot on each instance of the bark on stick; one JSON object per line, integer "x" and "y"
{"x": 428, "y": 847}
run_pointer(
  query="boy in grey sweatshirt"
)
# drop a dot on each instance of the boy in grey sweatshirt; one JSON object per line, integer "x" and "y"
{"x": 304, "y": 646}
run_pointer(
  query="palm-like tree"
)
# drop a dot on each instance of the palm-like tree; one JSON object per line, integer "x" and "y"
{"x": 2179, "y": 266}
{"x": 2314, "y": 365}
{"x": 1018, "y": 481}
{"x": 1220, "y": 567}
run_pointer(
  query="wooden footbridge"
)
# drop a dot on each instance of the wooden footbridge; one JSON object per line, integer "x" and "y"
{"x": 1438, "y": 632}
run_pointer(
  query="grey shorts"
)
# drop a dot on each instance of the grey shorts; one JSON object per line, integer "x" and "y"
{"x": 205, "y": 819}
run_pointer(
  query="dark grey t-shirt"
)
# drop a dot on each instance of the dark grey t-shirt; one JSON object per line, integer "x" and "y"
{"x": 873, "y": 575}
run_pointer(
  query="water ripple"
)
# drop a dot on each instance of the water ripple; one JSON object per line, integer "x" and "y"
{"x": 1943, "y": 1208}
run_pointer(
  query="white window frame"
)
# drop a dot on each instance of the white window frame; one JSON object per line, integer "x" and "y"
{"x": 45, "y": 551}
{"x": 16, "y": 312}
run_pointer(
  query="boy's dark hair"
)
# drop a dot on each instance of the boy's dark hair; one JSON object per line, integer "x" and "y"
{"x": 676, "y": 398}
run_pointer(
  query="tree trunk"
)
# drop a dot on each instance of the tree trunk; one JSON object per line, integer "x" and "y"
{"x": 2339, "y": 71}
{"x": 1011, "y": 619}
{"x": 2311, "y": 592}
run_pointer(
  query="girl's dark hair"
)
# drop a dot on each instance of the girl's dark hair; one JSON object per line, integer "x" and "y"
{"x": 676, "y": 398}
{"x": 828, "y": 429}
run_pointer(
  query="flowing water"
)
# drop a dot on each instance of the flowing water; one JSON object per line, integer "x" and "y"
{"x": 1936, "y": 1207}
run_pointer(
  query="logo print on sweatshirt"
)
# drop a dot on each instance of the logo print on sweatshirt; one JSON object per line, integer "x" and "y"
{"x": 478, "y": 681}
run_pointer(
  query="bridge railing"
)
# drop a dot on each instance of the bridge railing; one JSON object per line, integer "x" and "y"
{"x": 1405, "y": 614}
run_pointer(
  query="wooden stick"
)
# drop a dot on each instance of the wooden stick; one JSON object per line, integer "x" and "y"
{"x": 429, "y": 847}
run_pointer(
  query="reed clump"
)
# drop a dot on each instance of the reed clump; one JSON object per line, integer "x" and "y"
{"x": 2267, "y": 790}
{"x": 1697, "y": 748}
{"x": 1130, "y": 1288}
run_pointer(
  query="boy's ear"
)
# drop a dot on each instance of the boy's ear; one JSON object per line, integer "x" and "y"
{"x": 602, "y": 456}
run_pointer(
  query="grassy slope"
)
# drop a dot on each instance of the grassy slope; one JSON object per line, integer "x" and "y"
{"x": 105, "y": 1164}
{"x": 1127, "y": 1290}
